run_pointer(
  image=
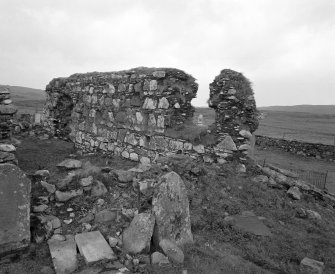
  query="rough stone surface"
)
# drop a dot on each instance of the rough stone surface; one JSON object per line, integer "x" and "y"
{"x": 310, "y": 266}
{"x": 159, "y": 258}
{"x": 64, "y": 255}
{"x": 171, "y": 209}
{"x": 105, "y": 216}
{"x": 294, "y": 193}
{"x": 136, "y": 238}
{"x": 70, "y": 164}
{"x": 172, "y": 251}
{"x": 93, "y": 247}
{"x": 98, "y": 189}
{"x": 65, "y": 196}
{"x": 14, "y": 208}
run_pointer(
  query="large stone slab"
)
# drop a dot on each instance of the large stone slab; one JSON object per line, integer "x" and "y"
{"x": 136, "y": 238}
{"x": 64, "y": 255}
{"x": 14, "y": 208}
{"x": 93, "y": 247}
{"x": 171, "y": 210}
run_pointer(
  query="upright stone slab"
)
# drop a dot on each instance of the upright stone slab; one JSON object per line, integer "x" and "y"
{"x": 14, "y": 208}
{"x": 171, "y": 210}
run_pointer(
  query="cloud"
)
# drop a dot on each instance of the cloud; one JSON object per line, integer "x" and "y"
{"x": 284, "y": 47}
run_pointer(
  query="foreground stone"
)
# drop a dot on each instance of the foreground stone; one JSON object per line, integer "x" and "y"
{"x": 136, "y": 238}
{"x": 14, "y": 208}
{"x": 64, "y": 255}
{"x": 65, "y": 196}
{"x": 310, "y": 266}
{"x": 70, "y": 164}
{"x": 93, "y": 247}
{"x": 294, "y": 193}
{"x": 159, "y": 258}
{"x": 172, "y": 251}
{"x": 171, "y": 210}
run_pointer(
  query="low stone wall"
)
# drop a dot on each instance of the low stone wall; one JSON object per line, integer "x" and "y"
{"x": 319, "y": 151}
{"x": 132, "y": 114}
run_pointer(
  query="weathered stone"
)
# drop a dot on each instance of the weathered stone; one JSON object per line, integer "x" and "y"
{"x": 105, "y": 216}
{"x": 163, "y": 103}
{"x": 172, "y": 251}
{"x": 98, "y": 189}
{"x": 62, "y": 183}
{"x": 70, "y": 164}
{"x": 153, "y": 85}
{"x": 310, "y": 266}
{"x": 64, "y": 255}
{"x": 86, "y": 181}
{"x": 39, "y": 208}
{"x": 42, "y": 173}
{"x": 113, "y": 241}
{"x": 49, "y": 187}
{"x": 124, "y": 176}
{"x": 226, "y": 144}
{"x": 260, "y": 179}
{"x": 149, "y": 103}
{"x": 294, "y": 193}
{"x": 136, "y": 238}
{"x": 93, "y": 247}
{"x": 171, "y": 209}
{"x": 199, "y": 148}
{"x": 159, "y": 74}
{"x": 159, "y": 258}
{"x": 7, "y": 148}
{"x": 14, "y": 208}
{"x": 65, "y": 196}
{"x": 245, "y": 133}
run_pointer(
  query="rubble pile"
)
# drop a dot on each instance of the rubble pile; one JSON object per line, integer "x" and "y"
{"x": 88, "y": 209}
{"x": 231, "y": 96}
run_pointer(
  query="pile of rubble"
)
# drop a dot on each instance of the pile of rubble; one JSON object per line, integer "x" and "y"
{"x": 89, "y": 209}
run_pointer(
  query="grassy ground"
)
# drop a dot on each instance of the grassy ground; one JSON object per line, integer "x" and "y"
{"x": 214, "y": 192}
{"x": 306, "y": 127}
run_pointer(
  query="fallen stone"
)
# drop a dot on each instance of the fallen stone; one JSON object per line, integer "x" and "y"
{"x": 294, "y": 193}
{"x": 61, "y": 184}
{"x": 93, "y": 247}
{"x": 170, "y": 206}
{"x": 64, "y": 255}
{"x": 70, "y": 164}
{"x": 105, "y": 216}
{"x": 172, "y": 251}
{"x": 113, "y": 241}
{"x": 227, "y": 144}
{"x": 42, "y": 173}
{"x": 65, "y": 196}
{"x": 49, "y": 187}
{"x": 124, "y": 176}
{"x": 159, "y": 258}
{"x": 7, "y": 148}
{"x": 86, "y": 181}
{"x": 14, "y": 208}
{"x": 136, "y": 238}
{"x": 57, "y": 237}
{"x": 313, "y": 214}
{"x": 260, "y": 179}
{"x": 55, "y": 222}
{"x": 88, "y": 218}
{"x": 310, "y": 266}
{"x": 39, "y": 208}
{"x": 98, "y": 189}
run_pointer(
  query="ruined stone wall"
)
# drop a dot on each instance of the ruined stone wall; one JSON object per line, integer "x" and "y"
{"x": 319, "y": 151}
{"x": 130, "y": 113}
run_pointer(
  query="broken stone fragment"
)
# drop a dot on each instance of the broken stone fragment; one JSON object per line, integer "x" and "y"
{"x": 172, "y": 251}
{"x": 86, "y": 181}
{"x": 149, "y": 103}
{"x": 124, "y": 176}
{"x": 61, "y": 184}
{"x": 136, "y": 238}
{"x": 159, "y": 74}
{"x": 49, "y": 187}
{"x": 42, "y": 173}
{"x": 294, "y": 193}
{"x": 65, "y": 196}
{"x": 310, "y": 266}
{"x": 70, "y": 164}
{"x": 171, "y": 209}
{"x": 245, "y": 133}
{"x": 113, "y": 241}
{"x": 93, "y": 247}
{"x": 98, "y": 189}
{"x": 163, "y": 103}
{"x": 159, "y": 259}
{"x": 226, "y": 144}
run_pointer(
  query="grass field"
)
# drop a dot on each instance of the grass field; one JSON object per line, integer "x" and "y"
{"x": 301, "y": 126}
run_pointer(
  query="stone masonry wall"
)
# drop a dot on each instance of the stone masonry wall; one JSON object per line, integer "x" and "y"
{"x": 128, "y": 113}
{"x": 319, "y": 151}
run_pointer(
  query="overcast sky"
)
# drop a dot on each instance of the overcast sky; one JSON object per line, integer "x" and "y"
{"x": 285, "y": 47}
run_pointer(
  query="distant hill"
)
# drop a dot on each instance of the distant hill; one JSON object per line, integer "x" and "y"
{"x": 315, "y": 109}
{"x": 27, "y": 100}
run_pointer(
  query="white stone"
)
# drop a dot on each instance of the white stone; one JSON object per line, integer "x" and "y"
{"x": 163, "y": 103}
{"x": 199, "y": 148}
{"x": 86, "y": 181}
{"x": 153, "y": 85}
{"x": 70, "y": 164}
{"x": 149, "y": 103}
{"x": 7, "y": 148}
{"x": 176, "y": 105}
{"x": 65, "y": 196}
{"x": 312, "y": 266}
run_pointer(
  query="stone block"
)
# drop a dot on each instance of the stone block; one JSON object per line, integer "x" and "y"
{"x": 64, "y": 255}
{"x": 14, "y": 208}
{"x": 93, "y": 247}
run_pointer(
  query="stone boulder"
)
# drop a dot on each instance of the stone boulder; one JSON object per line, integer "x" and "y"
{"x": 136, "y": 238}
{"x": 171, "y": 209}
{"x": 14, "y": 208}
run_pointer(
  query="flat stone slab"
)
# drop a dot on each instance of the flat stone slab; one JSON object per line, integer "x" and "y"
{"x": 14, "y": 208}
{"x": 64, "y": 255}
{"x": 252, "y": 224}
{"x": 93, "y": 247}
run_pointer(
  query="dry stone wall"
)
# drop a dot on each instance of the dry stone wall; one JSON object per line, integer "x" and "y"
{"x": 128, "y": 113}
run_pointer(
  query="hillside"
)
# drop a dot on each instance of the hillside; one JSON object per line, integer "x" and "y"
{"x": 28, "y": 100}
{"x": 316, "y": 109}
